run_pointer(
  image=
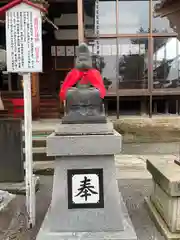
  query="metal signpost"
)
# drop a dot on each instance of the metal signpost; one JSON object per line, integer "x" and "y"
{"x": 24, "y": 55}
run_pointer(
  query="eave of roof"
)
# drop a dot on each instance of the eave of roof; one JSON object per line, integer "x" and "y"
{"x": 164, "y": 3}
{"x": 166, "y": 7}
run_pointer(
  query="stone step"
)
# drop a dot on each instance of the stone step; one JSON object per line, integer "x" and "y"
{"x": 37, "y": 141}
{"x": 37, "y": 150}
{"x": 39, "y": 154}
{"x": 47, "y": 114}
{"x": 40, "y": 132}
{"x": 43, "y": 167}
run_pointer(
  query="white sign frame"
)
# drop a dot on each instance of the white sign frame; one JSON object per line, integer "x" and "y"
{"x": 24, "y": 39}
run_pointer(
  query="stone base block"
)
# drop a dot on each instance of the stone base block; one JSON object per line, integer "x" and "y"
{"x": 85, "y": 129}
{"x": 127, "y": 234}
{"x": 166, "y": 174}
{"x": 108, "y": 218}
{"x": 84, "y": 145}
{"x": 168, "y": 207}
{"x": 73, "y": 118}
{"x": 160, "y": 223}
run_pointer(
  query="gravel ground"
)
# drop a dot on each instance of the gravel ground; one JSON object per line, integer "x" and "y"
{"x": 160, "y": 148}
{"x": 133, "y": 192}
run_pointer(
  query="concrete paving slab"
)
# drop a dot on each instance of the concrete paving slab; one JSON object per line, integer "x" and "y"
{"x": 133, "y": 192}
{"x": 8, "y": 210}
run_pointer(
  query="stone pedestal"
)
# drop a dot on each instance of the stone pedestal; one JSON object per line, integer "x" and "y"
{"x": 164, "y": 202}
{"x": 85, "y": 156}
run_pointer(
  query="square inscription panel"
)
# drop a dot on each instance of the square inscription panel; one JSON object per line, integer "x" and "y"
{"x": 85, "y": 188}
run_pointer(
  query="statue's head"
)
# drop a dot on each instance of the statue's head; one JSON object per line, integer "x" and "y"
{"x": 83, "y": 59}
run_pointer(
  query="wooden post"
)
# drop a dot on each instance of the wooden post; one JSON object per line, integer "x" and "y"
{"x": 35, "y": 95}
{"x": 143, "y": 107}
{"x": 177, "y": 106}
{"x": 155, "y": 107}
{"x": 80, "y": 21}
{"x": 166, "y": 107}
{"x": 117, "y": 61}
{"x": 9, "y": 82}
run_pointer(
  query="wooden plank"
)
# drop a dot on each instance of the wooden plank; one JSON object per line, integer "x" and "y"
{"x": 129, "y": 92}
{"x": 167, "y": 91}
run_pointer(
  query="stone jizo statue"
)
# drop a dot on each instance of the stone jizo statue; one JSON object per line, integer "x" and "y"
{"x": 83, "y": 90}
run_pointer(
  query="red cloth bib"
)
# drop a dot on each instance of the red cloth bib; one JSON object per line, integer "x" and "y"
{"x": 91, "y": 76}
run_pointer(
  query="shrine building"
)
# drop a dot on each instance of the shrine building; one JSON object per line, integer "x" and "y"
{"x": 137, "y": 45}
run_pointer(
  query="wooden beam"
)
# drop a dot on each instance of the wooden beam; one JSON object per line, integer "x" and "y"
{"x": 177, "y": 106}
{"x": 80, "y": 21}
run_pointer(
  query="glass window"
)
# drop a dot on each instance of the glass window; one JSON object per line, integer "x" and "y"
{"x": 133, "y": 16}
{"x": 107, "y": 17}
{"x": 107, "y": 62}
{"x": 133, "y": 72}
{"x": 159, "y": 24}
{"x": 166, "y": 63}
{"x": 89, "y": 18}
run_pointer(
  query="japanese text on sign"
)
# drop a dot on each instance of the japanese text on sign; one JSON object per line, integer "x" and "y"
{"x": 23, "y": 39}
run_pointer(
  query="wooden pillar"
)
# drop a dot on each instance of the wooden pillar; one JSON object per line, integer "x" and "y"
{"x": 143, "y": 107}
{"x": 150, "y": 59}
{"x": 155, "y": 107}
{"x": 167, "y": 107}
{"x": 35, "y": 95}
{"x": 80, "y": 21}
{"x": 9, "y": 82}
{"x": 177, "y": 106}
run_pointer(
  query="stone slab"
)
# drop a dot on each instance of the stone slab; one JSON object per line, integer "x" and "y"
{"x": 127, "y": 234}
{"x": 11, "y": 151}
{"x": 160, "y": 223}
{"x": 19, "y": 187}
{"x": 84, "y": 220}
{"x": 168, "y": 207}
{"x": 84, "y": 145}
{"x": 166, "y": 174}
{"x": 85, "y": 129}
